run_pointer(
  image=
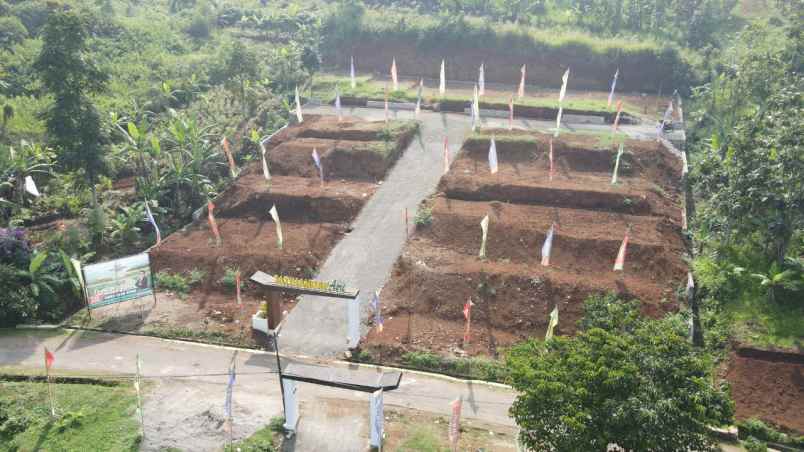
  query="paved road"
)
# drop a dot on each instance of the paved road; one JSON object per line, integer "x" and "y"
{"x": 365, "y": 257}
{"x": 184, "y": 406}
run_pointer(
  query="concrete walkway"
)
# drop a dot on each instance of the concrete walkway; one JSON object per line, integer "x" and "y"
{"x": 186, "y": 385}
{"x": 365, "y": 257}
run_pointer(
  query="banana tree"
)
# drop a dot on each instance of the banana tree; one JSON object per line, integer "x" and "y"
{"x": 125, "y": 225}
{"x": 43, "y": 280}
{"x": 776, "y": 278}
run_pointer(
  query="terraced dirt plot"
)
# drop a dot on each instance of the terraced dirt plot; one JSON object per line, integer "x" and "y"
{"x": 354, "y": 154}
{"x": 440, "y": 270}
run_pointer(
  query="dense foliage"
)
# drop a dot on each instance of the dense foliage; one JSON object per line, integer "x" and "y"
{"x": 622, "y": 380}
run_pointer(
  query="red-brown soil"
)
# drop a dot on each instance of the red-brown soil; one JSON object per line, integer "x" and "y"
{"x": 314, "y": 217}
{"x": 440, "y": 268}
{"x": 768, "y": 386}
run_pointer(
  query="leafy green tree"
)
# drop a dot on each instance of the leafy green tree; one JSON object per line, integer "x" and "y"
{"x": 240, "y": 68}
{"x": 642, "y": 389}
{"x": 12, "y": 32}
{"x": 73, "y": 123}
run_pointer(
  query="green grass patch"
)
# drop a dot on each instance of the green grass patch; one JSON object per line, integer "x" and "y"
{"x": 474, "y": 368}
{"x": 423, "y": 438}
{"x": 90, "y": 417}
{"x": 262, "y": 440}
{"x": 760, "y": 323}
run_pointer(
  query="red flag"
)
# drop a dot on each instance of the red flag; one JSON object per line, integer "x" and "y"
{"x": 49, "y": 359}
{"x": 552, "y": 167}
{"x": 455, "y": 424}
{"x": 212, "y": 223}
{"x": 620, "y": 262}
{"x": 467, "y": 314}
{"x": 228, "y": 152}
{"x": 617, "y": 116}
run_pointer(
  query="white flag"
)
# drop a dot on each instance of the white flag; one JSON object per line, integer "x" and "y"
{"x": 548, "y": 246}
{"x": 613, "y": 84}
{"x": 442, "y": 86}
{"x": 299, "y": 116}
{"x": 481, "y": 79}
{"x": 521, "y": 92}
{"x": 317, "y": 161}
{"x": 685, "y": 168}
{"x": 394, "y": 78}
{"x": 419, "y": 98}
{"x": 616, "y": 165}
{"x": 484, "y": 226}
{"x": 30, "y": 186}
{"x": 475, "y": 109}
{"x": 563, "y": 92}
{"x": 338, "y": 105}
{"x": 265, "y": 171}
{"x": 352, "y": 73}
{"x": 552, "y": 323}
{"x": 280, "y": 241}
{"x": 150, "y": 217}
{"x": 493, "y": 156}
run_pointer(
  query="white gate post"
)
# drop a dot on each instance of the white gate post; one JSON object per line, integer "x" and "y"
{"x": 376, "y": 419}
{"x": 291, "y": 405}
{"x": 353, "y": 322}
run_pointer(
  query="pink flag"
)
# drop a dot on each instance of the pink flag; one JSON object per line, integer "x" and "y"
{"x": 237, "y": 288}
{"x": 552, "y": 166}
{"x": 618, "y": 264}
{"x": 212, "y": 223}
{"x": 467, "y": 314}
{"x": 455, "y": 424}
{"x": 317, "y": 161}
{"x": 511, "y": 113}
{"x": 394, "y": 78}
{"x": 521, "y": 92}
{"x": 548, "y": 246}
{"x": 617, "y": 116}
{"x": 228, "y": 152}
{"x": 446, "y": 156}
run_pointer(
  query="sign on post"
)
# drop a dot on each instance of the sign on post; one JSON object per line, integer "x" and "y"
{"x": 118, "y": 280}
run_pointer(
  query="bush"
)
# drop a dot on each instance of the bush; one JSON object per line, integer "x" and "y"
{"x": 11, "y": 32}
{"x": 229, "y": 278}
{"x": 174, "y": 282}
{"x": 199, "y": 27}
{"x": 424, "y": 216}
{"x": 752, "y": 444}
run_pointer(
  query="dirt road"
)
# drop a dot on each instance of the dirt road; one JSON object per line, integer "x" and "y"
{"x": 184, "y": 405}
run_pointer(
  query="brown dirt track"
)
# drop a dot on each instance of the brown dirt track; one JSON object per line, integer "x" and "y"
{"x": 440, "y": 269}
{"x": 314, "y": 218}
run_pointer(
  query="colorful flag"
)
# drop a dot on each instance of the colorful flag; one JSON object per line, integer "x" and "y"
{"x": 150, "y": 217}
{"x": 484, "y": 227}
{"x": 30, "y": 186}
{"x": 521, "y": 92}
{"x": 442, "y": 85}
{"x": 552, "y": 323}
{"x": 552, "y": 165}
{"x": 237, "y": 288}
{"x": 280, "y": 241}
{"x": 493, "y": 156}
{"x": 455, "y": 424}
{"x": 375, "y": 304}
{"x": 616, "y": 165}
{"x": 299, "y": 116}
{"x": 419, "y": 98}
{"x": 511, "y": 113}
{"x": 620, "y": 262}
{"x": 446, "y": 156}
{"x": 212, "y": 223}
{"x": 317, "y": 161}
{"x": 49, "y": 359}
{"x": 265, "y": 172}
{"x": 227, "y": 151}
{"x": 564, "y": 80}
{"x": 227, "y": 404}
{"x": 481, "y": 79}
{"x": 352, "y": 73}
{"x": 558, "y": 120}
{"x": 548, "y": 246}
{"x": 467, "y": 314}
{"x": 613, "y": 84}
{"x": 617, "y": 117}
{"x": 394, "y": 78}
{"x": 338, "y": 105}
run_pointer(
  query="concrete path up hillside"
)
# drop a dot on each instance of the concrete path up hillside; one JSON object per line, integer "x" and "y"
{"x": 365, "y": 257}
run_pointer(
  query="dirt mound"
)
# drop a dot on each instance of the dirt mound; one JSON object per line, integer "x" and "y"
{"x": 528, "y": 111}
{"x": 771, "y": 389}
{"x": 345, "y": 130}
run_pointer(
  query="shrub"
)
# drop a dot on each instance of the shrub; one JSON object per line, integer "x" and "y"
{"x": 229, "y": 278}
{"x": 199, "y": 27}
{"x": 17, "y": 305}
{"x": 174, "y": 282}
{"x": 752, "y": 444}
{"x": 424, "y": 216}
{"x": 277, "y": 424}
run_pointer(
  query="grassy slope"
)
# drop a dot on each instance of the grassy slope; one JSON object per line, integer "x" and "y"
{"x": 91, "y": 417}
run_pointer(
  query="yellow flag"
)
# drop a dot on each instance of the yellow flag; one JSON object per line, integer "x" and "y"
{"x": 552, "y": 324}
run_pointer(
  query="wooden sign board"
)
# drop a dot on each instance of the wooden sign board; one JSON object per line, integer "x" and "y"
{"x": 305, "y": 286}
